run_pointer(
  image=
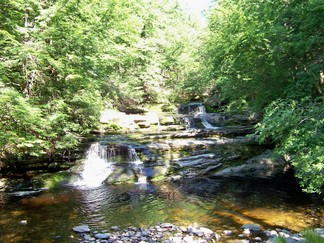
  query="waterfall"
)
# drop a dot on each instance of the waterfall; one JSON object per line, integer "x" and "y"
{"x": 124, "y": 155}
{"x": 138, "y": 165}
{"x": 95, "y": 166}
{"x": 202, "y": 114}
{"x": 133, "y": 156}
{"x": 190, "y": 122}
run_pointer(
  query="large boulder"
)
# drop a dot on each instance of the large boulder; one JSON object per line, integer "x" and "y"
{"x": 263, "y": 165}
{"x": 122, "y": 175}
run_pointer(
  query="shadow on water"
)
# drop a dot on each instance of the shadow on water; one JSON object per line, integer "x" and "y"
{"x": 219, "y": 204}
{"x": 270, "y": 203}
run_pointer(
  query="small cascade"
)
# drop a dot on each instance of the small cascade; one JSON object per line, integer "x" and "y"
{"x": 190, "y": 122}
{"x": 133, "y": 156}
{"x": 126, "y": 156}
{"x": 201, "y": 113}
{"x": 201, "y": 109}
{"x": 206, "y": 124}
{"x": 195, "y": 111}
{"x": 134, "y": 159}
{"x": 96, "y": 167}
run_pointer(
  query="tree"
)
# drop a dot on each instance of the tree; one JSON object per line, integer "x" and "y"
{"x": 269, "y": 55}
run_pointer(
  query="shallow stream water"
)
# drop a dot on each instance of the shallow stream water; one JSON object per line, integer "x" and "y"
{"x": 219, "y": 204}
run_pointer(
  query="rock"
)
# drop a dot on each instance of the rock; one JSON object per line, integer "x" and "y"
{"x": 209, "y": 169}
{"x": 271, "y": 233}
{"x": 188, "y": 239}
{"x": 196, "y": 162}
{"x": 262, "y": 165}
{"x": 206, "y": 231}
{"x": 144, "y": 124}
{"x": 167, "y": 225}
{"x": 87, "y": 237}
{"x": 227, "y": 232}
{"x": 115, "y": 228}
{"x": 251, "y": 227}
{"x": 217, "y": 237}
{"x": 122, "y": 175}
{"x": 23, "y": 222}
{"x": 102, "y": 236}
{"x": 285, "y": 235}
{"x": 191, "y": 108}
{"x": 81, "y": 229}
{"x": 319, "y": 231}
{"x": 183, "y": 229}
{"x": 247, "y": 232}
{"x": 257, "y": 239}
{"x": 167, "y": 120}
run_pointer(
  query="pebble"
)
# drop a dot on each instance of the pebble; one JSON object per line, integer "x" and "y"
{"x": 227, "y": 232}
{"x": 81, "y": 229}
{"x": 251, "y": 227}
{"x": 169, "y": 233}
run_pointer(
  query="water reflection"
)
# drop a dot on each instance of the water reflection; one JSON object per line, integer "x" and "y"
{"x": 214, "y": 203}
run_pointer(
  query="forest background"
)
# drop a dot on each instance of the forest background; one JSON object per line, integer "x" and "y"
{"x": 64, "y": 61}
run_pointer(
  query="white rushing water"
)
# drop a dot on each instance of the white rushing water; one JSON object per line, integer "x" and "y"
{"x": 96, "y": 168}
{"x": 142, "y": 179}
{"x": 100, "y": 163}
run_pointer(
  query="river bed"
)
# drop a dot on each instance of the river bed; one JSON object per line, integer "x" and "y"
{"x": 219, "y": 204}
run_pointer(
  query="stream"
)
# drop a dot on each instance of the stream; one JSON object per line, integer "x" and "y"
{"x": 219, "y": 203}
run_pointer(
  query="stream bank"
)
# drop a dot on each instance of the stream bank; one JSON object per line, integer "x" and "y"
{"x": 140, "y": 178}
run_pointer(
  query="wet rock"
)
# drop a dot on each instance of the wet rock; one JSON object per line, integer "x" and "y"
{"x": 81, "y": 229}
{"x": 251, "y": 227}
{"x": 101, "y": 236}
{"x": 227, "y": 232}
{"x": 263, "y": 165}
{"x": 192, "y": 161}
{"x": 271, "y": 233}
{"x": 196, "y": 162}
{"x": 122, "y": 175}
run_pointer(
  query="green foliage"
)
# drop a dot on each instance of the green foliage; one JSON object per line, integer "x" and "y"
{"x": 268, "y": 55}
{"x": 298, "y": 130}
{"x": 22, "y": 126}
{"x": 60, "y": 61}
{"x": 280, "y": 239}
{"x": 256, "y": 48}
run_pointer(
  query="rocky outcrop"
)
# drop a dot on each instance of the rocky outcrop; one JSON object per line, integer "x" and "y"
{"x": 263, "y": 165}
{"x": 196, "y": 161}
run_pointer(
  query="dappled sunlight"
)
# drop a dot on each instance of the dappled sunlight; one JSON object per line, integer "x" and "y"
{"x": 278, "y": 218}
{"x": 45, "y": 200}
{"x": 131, "y": 122}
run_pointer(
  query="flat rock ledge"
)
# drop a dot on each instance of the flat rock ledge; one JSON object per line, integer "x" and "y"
{"x": 170, "y": 233}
